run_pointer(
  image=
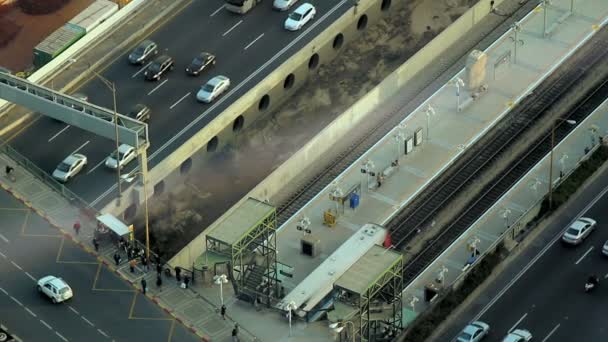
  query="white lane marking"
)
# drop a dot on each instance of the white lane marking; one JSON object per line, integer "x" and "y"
{"x": 103, "y": 333}
{"x": 232, "y": 28}
{"x": 96, "y": 166}
{"x": 30, "y": 276}
{"x": 86, "y": 320}
{"x": 4, "y": 238}
{"x": 4, "y": 256}
{"x": 158, "y": 86}
{"x": 81, "y": 146}
{"x": 538, "y": 256}
{"x": 46, "y": 325}
{"x": 227, "y": 96}
{"x": 19, "y": 267}
{"x": 16, "y": 301}
{"x": 517, "y": 323}
{"x": 583, "y": 256}
{"x": 216, "y": 11}
{"x": 3, "y": 291}
{"x": 180, "y": 100}
{"x": 255, "y": 40}
{"x": 56, "y": 135}
{"x": 30, "y": 312}
{"x": 73, "y": 310}
{"x": 551, "y": 333}
{"x": 61, "y": 337}
{"x": 140, "y": 70}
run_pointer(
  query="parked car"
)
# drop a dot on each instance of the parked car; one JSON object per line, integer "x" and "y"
{"x": 283, "y": 5}
{"x": 518, "y": 335}
{"x": 140, "y": 112}
{"x": 126, "y": 154}
{"x": 474, "y": 332}
{"x": 161, "y": 65}
{"x": 578, "y": 231}
{"x": 213, "y": 88}
{"x": 143, "y": 52}
{"x": 200, "y": 63}
{"x": 70, "y": 167}
{"x": 300, "y": 17}
{"x": 55, "y": 288}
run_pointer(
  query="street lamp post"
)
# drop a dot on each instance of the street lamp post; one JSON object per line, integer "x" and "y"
{"x": 553, "y": 126}
{"x": 221, "y": 280}
{"x": 129, "y": 177}
{"x": 428, "y": 112}
{"x": 339, "y": 326}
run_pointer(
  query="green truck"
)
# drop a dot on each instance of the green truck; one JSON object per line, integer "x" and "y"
{"x": 56, "y": 43}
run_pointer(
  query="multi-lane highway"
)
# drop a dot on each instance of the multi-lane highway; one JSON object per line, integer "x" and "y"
{"x": 247, "y": 47}
{"x": 104, "y": 307}
{"x": 543, "y": 289}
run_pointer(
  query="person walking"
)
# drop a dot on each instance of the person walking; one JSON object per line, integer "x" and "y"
{"x": 186, "y": 281}
{"x": 235, "y": 333}
{"x": 96, "y": 244}
{"x": 159, "y": 282}
{"x": 77, "y": 227}
{"x": 223, "y": 311}
{"x": 132, "y": 263}
{"x": 144, "y": 263}
{"x": 117, "y": 258}
{"x": 143, "y": 286}
{"x": 178, "y": 272}
{"x": 159, "y": 268}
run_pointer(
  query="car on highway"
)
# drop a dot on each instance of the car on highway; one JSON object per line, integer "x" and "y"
{"x": 474, "y": 332}
{"x": 300, "y": 17}
{"x": 143, "y": 52}
{"x": 605, "y": 248}
{"x": 518, "y": 335}
{"x": 55, "y": 288}
{"x": 70, "y": 167}
{"x": 161, "y": 65}
{"x": 126, "y": 154}
{"x": 200, "y": 63}
{"x": 140, "y": 112}
{"x": 213, "y": 88}
{"x": 578, "y": 231}
{"x": 283, "y": 5}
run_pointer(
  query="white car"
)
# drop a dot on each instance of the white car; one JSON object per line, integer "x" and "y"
{"x": 283, "y": 5}
{"x": 213, "y": 88}
{"x": 578, "y": 231}
{"x": 55, "y": 288}
{"x": 605, "y": 248}
{"x": 126, "y": 153}
{"x": 474, "y": 332}
{"x": 518, "y": 335}
{"x": 70, "y": 167}
{"x": 300, "y": 17}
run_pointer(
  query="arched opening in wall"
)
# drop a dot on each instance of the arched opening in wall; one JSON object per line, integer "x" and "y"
{"x": 313, "y": 62}
{"x": 159, "y": 188}
{"x": 264, "y": 102}
{"x": 238, "y": 123}
{"x": 130, "y": 212}
{"x": 289, "y": 81}
{"x": 186, "y": 166}
{"x": 212, "y": 144}
{"x": 362, "y": 22}
{"x": 386, "y": 4}
{"x": 338, "y": 41}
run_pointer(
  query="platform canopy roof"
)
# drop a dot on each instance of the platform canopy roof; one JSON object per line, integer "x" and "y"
{"x": 368, "y": 269}
{"x": 241, "y": 221}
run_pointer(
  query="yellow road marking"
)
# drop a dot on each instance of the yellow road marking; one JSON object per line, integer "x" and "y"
{"x": 60, "y": 251}
{"x": 144, "y": 318}
{"x": 171, "y": 331}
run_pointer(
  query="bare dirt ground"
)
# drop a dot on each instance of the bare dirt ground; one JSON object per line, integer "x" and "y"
{"x": 232, "y": 173}
{"x": 17, "y": 55}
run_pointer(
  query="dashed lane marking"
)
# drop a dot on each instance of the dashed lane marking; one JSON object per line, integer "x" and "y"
{"x": 30, "y": 276}
{"x": 30, "y": 312}
{"x": 73, "y": 310}
{"x": 232, "y": 28}
{"x": 253, "y": 42}
{"x": 140, "y": 70}
{"x": 158, "y": 86}
{"x": 517, "y": 323}
{"x": 58, "y": 133}
{"x": 584, "y": 255}
{"x": 2, "y": 254}
{"x": 180, "y": 100}
{"x": 4, "y": 238}
{"x": 81, "y": 146}
{"x": 61, "y": 336}
{"x": 46, "y": 324}
{"x": 16, "y": 301}
{"x": 19, "y": 267}
{"x": 3, "y": 291}
{"x": 86, "y": 320}
{"x": 103, "y": 333}
{"x": 96, "y": 166}
{"x": 551, "y": 332}
{"x": 216, "y": 11}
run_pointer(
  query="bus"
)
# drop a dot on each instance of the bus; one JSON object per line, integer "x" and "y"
{"x": 241, "y": 6}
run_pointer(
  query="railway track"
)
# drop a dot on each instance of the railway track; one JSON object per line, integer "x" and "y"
{"x": 393, "y": 116}
{"x": 403, "y": 228}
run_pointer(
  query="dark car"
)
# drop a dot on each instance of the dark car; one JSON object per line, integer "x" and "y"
{"x": 161, "y": 65}
{"x": 143, "y": 52}
{"x": 140, "y": 112}
{"x": 199, "y": 63}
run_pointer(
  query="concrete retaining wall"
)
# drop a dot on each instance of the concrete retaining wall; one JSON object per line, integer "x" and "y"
{"x": 317, "y": 147}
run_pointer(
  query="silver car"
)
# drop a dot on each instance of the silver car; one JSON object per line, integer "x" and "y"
{"x": 518, "y": 335}
{"x": 70, "y": 167}
{"x": 578, "y": 231}
{"x": 213, "y": 88}
{"x": 126, "y": 154}
{"x": 143, "y": 52}
{"x": 283, "y": 5}
{"x": 474, "y": 332}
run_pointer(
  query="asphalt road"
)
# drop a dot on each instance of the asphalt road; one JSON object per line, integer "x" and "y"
{"x": 248, "y": 47}
{"x": 104, "y": 307}
{"x": 542, "y": 290}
